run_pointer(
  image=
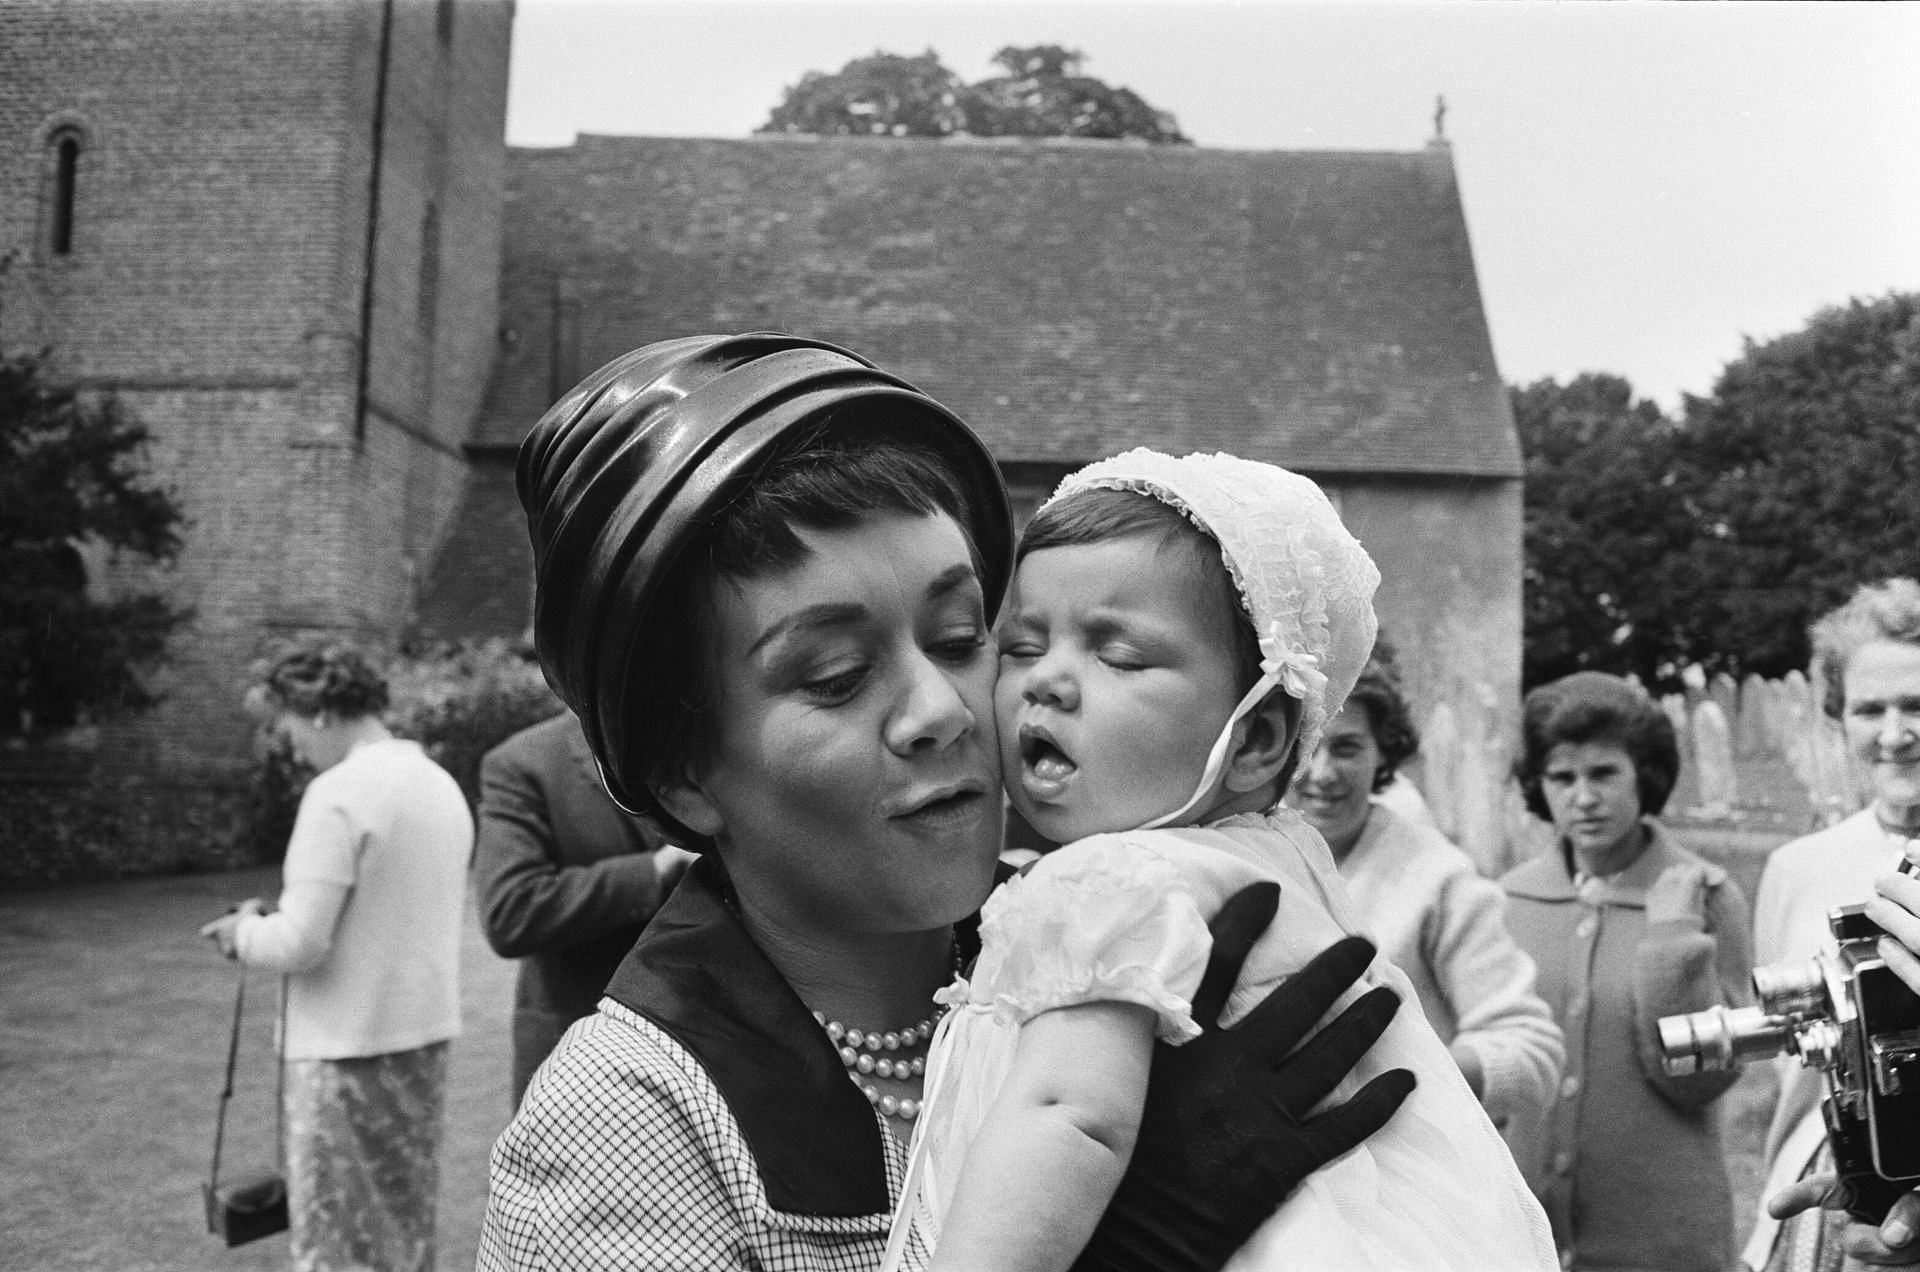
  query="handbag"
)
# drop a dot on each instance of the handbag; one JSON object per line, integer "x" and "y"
{"x": 255, "y": 1206}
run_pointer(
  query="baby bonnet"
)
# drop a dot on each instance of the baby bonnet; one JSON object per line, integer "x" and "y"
{"x": 1302, "y": 577}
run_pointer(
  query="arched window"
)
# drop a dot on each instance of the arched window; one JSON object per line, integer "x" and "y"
{"x": 63, "y": 180}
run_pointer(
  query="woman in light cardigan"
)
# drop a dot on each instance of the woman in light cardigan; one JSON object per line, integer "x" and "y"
{"x": 368, "y": 934}
{"x": 1625, "y": 926}
{"x": 1429, "y": 910}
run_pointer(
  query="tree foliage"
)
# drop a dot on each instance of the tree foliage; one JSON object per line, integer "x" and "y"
{"x": 1601, "y": 520}
{"x": 1652, "y": 544}
{"x": 1043, "y": 93}
{"x": 885, "y": 95}
{"x": 1803, "y": 465}
{"x": 71, "y": 475}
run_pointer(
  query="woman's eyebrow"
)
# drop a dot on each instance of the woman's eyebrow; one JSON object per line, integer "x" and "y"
{"x": 811, "y": 618}
{"x": 951, "y": 578}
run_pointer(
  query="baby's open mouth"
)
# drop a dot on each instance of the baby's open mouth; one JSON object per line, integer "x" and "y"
{"x": 1043, "y": 758}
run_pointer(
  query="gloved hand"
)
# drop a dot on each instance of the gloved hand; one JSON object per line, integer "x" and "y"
{"x": 1225, "y": 1135}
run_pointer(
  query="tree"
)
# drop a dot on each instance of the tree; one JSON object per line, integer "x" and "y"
{"x": 1042, "y": 94}
{"x": 885, "y": 95}
{"x": 1803, "y": 466}
{"x": 71, "y": 475}
{"x": 1603, "y": 525}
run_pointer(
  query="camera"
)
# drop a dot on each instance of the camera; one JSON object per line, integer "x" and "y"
{"x": 1850, "y": 1017}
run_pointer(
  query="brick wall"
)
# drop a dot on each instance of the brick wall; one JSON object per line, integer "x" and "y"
{"x": 217, "y": 285}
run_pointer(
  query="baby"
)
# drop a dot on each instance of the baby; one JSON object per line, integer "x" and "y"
{"x": 1179, "y": 632}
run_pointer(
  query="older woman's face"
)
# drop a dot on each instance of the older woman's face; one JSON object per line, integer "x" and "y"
{"x": 1881, "y": 716}
{"x": 856, "y": 787}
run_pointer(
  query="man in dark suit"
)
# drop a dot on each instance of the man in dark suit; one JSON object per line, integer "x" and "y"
{"x": 566, "y": 881}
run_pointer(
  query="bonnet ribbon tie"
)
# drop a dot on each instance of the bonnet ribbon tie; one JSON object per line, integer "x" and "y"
{"x": 1294, "y": 670}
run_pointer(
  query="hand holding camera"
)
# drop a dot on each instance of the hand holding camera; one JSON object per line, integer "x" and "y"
{"x": 1853, "y": 1017}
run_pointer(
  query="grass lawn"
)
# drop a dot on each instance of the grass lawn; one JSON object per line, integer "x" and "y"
{"x": 112, "y": 1045}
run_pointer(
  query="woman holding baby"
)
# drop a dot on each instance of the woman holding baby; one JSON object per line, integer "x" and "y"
{"x": 767, "y": 578}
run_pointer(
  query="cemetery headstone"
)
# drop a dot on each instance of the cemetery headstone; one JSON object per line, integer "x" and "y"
{"x": 1440, "y": 766}
{"x": 1686, "y": 789}
{"x": 1796, "y": 730}
{"x": 1723, "y": 690}
{"x": 1750, "y": 732}
{"x": 1693, "y": 679}
{"x": 1713, "y": 754}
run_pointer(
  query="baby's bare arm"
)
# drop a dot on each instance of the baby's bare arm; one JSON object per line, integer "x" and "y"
{"x": 1052, "y": 1150}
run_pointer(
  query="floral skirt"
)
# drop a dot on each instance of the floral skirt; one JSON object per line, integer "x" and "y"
{"x": 363, "y": 1160}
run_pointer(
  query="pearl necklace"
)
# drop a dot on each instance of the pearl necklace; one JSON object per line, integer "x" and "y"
{"x": 860, "y": 1053}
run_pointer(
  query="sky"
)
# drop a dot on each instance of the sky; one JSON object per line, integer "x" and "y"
{"x": 1646, "y": 183}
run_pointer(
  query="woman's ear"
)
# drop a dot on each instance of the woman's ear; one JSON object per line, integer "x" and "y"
{"x": 688, "y": 803}
{"x": 1265, "y": 737}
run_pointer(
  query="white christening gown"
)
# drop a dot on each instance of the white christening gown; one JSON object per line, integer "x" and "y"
{"x": 1124, "y": 917}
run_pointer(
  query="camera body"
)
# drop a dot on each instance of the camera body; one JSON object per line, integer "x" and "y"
{"x": 1848, "y": 1016}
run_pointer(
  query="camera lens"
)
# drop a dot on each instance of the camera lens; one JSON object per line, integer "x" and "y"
{"x": 1721, "y": 1038}
{"x": 1791, "y": 989}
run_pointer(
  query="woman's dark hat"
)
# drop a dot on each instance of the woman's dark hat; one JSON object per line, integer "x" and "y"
{"x": 618, "y": 473}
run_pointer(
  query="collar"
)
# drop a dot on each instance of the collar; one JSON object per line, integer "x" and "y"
{"x": 1548, "y": 878}
{"x": 697, "y": 974}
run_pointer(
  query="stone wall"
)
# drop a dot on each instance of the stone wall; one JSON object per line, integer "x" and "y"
{"x": 1449, "y": 555}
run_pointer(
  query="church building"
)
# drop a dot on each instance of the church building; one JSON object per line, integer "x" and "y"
{"x": 291, "y": 240}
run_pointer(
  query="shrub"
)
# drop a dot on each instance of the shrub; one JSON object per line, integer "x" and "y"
{"x": 461, "y": 701}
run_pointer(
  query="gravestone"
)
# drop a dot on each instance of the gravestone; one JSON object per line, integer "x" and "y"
{"x": 1796, "y": 730}
{"x": 1440, "y": 767}
{"x": 1686, "y": 788}
{"x": 1722, "y": 690}
{"x": 1693, "y": 679}
{"x": 1751, "y": 733}
{"x": 1713, "y": 755}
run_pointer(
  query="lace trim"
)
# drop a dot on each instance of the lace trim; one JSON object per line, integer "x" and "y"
{"x": 1302, "y": 578}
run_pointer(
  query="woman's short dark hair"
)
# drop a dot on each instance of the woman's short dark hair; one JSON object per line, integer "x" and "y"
{"x": 1101, "y": 516}
{"x": 826, "y": 477}
{"x": 1377, "y": 692}
{"x": 1887, "y": 610}
{"x": 1590, "y": 706}
{"x": 318, "y": 674}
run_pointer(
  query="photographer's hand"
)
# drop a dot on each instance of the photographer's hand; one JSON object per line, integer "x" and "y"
{"x": 1897, "y": 909}
{"x": 1892, "y": 1244}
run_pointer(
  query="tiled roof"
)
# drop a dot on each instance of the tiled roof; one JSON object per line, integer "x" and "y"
{"x": 1318, "y": 309}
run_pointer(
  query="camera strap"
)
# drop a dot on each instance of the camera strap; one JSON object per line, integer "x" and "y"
{"x": 279, "y": 1085}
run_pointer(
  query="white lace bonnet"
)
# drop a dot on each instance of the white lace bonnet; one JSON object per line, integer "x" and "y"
{"x": 1303, "y": 579}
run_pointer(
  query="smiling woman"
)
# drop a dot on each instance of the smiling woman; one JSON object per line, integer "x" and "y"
{"x": 1867, "y": 667}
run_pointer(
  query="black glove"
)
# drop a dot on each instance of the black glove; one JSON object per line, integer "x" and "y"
{"x": 1225, "y": 1136}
